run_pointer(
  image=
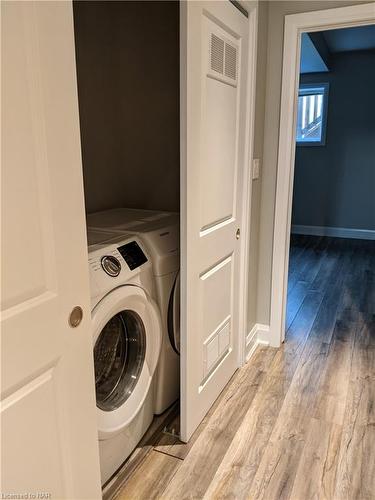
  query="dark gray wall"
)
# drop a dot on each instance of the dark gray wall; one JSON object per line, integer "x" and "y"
{"x": 128, "y": 84}
{"x": 334, "y": 185}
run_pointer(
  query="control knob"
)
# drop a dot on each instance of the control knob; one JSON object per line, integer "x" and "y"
{"x": 111, "y": 265}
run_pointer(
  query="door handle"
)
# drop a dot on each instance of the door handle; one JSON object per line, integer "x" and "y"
{"x": 238, "y": 234}
{"x": 75, "y": 317}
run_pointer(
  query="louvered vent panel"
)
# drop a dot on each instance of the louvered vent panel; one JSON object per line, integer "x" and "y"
{"x": 230, "y": 61}
{"x": 217, "y": 54}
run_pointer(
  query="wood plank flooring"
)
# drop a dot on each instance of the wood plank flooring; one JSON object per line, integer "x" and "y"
{"x": 296, "y": 422}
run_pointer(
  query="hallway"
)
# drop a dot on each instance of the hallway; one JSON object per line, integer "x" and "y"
{"x": 296, "y": 422}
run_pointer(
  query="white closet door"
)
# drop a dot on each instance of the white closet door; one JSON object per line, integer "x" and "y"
{"x": 214, "y": 52}
{"x": 48, "y": 413}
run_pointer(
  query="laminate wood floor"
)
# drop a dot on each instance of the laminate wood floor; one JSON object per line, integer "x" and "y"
{"x": 296, "y": 422}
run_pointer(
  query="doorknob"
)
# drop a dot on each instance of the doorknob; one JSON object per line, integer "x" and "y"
{"x": 238, "y": 233}
{"x": 75, "y": 317}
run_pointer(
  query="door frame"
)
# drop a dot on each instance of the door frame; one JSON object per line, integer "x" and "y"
{"x": 252, "y": 9}
{"x": 295, "y": 25}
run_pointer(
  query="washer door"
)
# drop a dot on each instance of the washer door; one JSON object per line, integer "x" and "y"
{"x": 119, "y": 356}
{"x": 127, "y": 339}
{"x": 174, "y": 315}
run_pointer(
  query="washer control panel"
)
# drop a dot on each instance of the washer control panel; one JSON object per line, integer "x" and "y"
{"x": 132, "y": 254}
{"x": 116, "y": 262}
{"x": 111, "y": 265}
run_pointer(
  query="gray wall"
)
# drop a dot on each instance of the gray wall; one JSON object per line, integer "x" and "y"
{"x": 260, "y": 96}
{"x": 128, "y": 83}
{"x": 276, "y": 12}
{"x": 334, "y": 184}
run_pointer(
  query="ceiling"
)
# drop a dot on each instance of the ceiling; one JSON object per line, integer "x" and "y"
{"x": 317, "y": 48}
{"x": 349, "y": 39}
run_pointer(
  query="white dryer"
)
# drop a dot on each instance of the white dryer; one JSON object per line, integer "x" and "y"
{"x": 126, "y": 329}
{"x": 159, "y": 231}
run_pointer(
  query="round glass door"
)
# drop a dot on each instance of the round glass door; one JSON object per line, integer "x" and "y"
{"x": 119, "y": 354}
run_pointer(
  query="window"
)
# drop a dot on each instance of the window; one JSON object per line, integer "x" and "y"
{"x": 312, "y": 114}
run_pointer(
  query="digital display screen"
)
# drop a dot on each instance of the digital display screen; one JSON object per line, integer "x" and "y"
{"x": 133, "y": 255}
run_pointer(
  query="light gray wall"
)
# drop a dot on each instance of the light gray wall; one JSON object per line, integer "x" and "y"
{"x": 258, "y": 153}
{"x": 334, "y": 184}
{"x": 128, "y": 83}
{"x": 277, "y": 11}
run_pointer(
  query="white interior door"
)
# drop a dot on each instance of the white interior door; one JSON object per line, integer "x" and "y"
{"x": 48, "y": 413}
{"x": 214, "y": 52}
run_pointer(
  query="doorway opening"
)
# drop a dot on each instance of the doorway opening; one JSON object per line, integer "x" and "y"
{"x": 131, "y": 70}
{"x": 333, "y": 208}
{"x": 311, "y": 96}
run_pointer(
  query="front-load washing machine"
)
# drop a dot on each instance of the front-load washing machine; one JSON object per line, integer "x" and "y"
{"x": 159, "y": 231}
{"x": 126, "y": 329}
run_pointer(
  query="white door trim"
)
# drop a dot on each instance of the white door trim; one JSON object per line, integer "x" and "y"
{"x": 247, "y": 185}
{"x": 295, "y": 24}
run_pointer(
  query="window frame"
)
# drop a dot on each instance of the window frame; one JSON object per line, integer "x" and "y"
{"x": 311, "y": 86}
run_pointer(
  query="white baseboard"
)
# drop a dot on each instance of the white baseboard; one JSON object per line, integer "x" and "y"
{"x": 258, "y": 335}
{"x": 263, "y": 334}
{"x": 337, "y": 232}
